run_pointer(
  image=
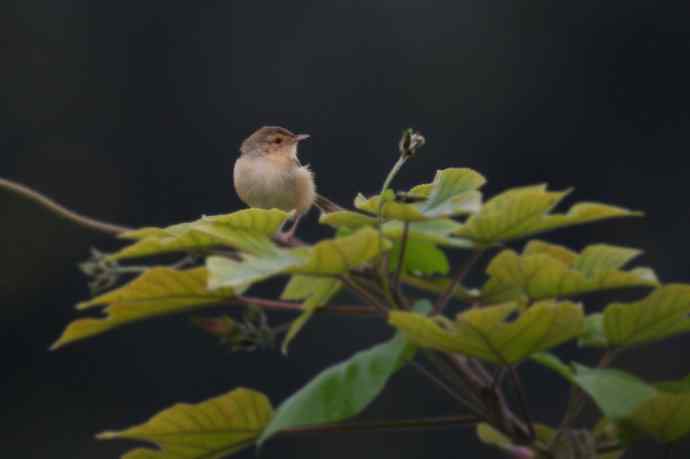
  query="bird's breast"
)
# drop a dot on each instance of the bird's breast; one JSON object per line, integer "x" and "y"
{"x": 272, "y": 181}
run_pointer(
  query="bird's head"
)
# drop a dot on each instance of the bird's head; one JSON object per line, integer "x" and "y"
{"x": 271, "y": 140}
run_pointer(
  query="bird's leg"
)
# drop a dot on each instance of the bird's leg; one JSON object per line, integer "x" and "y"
{"x": 286, "y": 236}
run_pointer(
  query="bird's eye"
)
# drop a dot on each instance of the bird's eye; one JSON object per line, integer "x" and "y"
{"x": 278, "y": 140}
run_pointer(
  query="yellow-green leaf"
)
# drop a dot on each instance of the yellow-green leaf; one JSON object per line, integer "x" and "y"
{"x": 490, "y": 436}
{"x": 594, "y": 335}
{"x": 422, "y": 258}
{"x": 156, "y": 292}
{"x": 486, "y": 333}
{"x": 328, "y": 257}
{"x": 247, "y": 229}
{"x": 453, "y": 192}
{"x": 547, "y": 271}
{"x": 664, "y": 312}
{"x": 522, "y": 212}
{"x": 439, "y": 231}
{"x": 339, "y": 255}
{"x": 212, "y": 429}
{"x": 346, "y": 219}
{"x": 666, "y": 417}
{"x": 316, "y": 291}
{"x": 391, "y": 209}
{"x": 249, "y": 269}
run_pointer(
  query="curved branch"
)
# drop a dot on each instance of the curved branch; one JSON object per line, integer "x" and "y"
{"x": 46, "y": 202}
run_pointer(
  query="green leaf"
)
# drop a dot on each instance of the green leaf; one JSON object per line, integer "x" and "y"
{"x": 453, "y": 192}
{"x": 347, "y": 219}
{"x": 421, "y": 258}
{"x": 156, "y": 292}
{"x": 594, "y": 335}
{"x": 666, "y": 417}
{"x": 341, "y": 391}
{"x": 448, "y": 183}
{"x": 438, "y": 231}
{"x": 522, "y": 212}
{"x": 328, "y": 257}
{"x": 212, "y": 429}
{"x": 553, "y": 363}
{"x": 485, "y": 333}
{"x": 615, "y": 392}
{"x": 661, "y": 410}
{"x": 340, "y": 255}
{"x": 435, "y": 231}
{"x": 317, "y": 291}
{"x": 228, "y": 272}
{"x": 661, "y": 314}
{"x": 490, "y": 436}
{"x": 548, "y": 271}
{"x": 247, "y": 229}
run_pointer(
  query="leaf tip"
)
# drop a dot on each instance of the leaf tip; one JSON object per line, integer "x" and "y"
{"x": 107, "y": 435}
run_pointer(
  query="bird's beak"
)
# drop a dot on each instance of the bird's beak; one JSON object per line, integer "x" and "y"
{"x": 300, "y": 137}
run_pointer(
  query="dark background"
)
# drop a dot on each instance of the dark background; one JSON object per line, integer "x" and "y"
{"x": 133, "y": 112}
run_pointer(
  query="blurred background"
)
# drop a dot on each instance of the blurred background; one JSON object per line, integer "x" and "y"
{"x": 133, "y": 112}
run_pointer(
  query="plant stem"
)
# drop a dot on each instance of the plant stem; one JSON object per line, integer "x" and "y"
{"x": 446, "y": 388}
{"x": 522, "y": 400}
{"x": 385, "y": 280}
{"x": 386, "y": 183}
{"x": 401, "y": 263}
{"x": 382, "y": 426}
{"x": 382, "y": 261}
{"x": 277, "y": 305}
{"x": 44, "y": 201}
{"x": 474, "y": 402}
{"x": 363, "y": 294}
{"x": 457, "y": 279}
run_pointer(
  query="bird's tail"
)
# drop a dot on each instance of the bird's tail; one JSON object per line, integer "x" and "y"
{"x": 325, "y": 205}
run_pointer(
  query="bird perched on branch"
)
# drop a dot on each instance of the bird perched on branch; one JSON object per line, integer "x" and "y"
{"x": 268, "y": 175}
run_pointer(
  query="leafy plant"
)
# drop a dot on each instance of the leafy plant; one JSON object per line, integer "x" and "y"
{"x": 391, "y": 253}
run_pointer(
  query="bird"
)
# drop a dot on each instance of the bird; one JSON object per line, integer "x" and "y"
{"x": 268, "y": 174}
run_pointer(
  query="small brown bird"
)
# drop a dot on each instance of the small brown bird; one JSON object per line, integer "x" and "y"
{"x": 268, "y": 174}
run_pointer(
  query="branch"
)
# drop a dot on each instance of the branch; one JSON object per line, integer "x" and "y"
{"x": 364, "y": 294}
{"x": 401, "y": 262}
{"x": 457, "y": 279}
{"x": 44, "y": 201}
{"x": 276, "y": 305}
{"x": 397, "y": 425}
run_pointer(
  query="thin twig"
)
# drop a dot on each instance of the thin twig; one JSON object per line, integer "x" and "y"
{"x": 457, "y": 279}
{"x": 382, "y": 426}
{"x": 474, "y": 402}
{"x": 493, "y": 398}
{"x": 277, "y": 305}
{"x": 522, "y": 400}
{"x": 44, "y": 201}
{"x": 401, "y": 258}
{"x": 364, "y": 294}
{"x": 385, "y": 280}
{"x": 401, "y": 262}
{"x": 445, "y": 387}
